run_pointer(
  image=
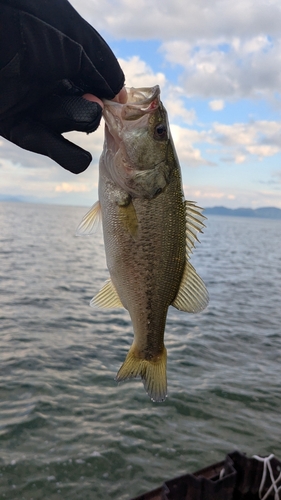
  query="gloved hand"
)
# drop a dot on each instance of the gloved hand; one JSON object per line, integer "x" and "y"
{"x": 49, "y": 58}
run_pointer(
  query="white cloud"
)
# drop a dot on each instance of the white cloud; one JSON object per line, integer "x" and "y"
{"x": 36, "y": 177}
{"x": 277, "y": 176}
{"x": 19, "y": 156}
{"x": 227, "y": 50}
{"x": 176, "y": 109}
{"x": 139, "y": 74}
{"x": 228, "y": 68}
{"x": 218, "y": 50}
{"x": 186, "y": 20}
{"x": 259, "y": 138}
{"x": 237, "y": 143}
{"x": 91, "y": 142}
{"x": 184, "y": 140}
{"x": 263, "y": 150}
{"x": 67, "y": 187}
{"x": 216, "y": 105}
{"x": 239, "y": 158}
{"x": 264, "y": 198}
{"x": 210, "y": 195}
{"x": 254, "y": 45}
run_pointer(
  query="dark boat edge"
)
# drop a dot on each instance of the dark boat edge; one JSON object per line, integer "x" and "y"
{"x": 237, "y": 477}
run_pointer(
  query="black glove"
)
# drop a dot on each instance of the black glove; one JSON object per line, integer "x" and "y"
{"x": 49, "y": 58}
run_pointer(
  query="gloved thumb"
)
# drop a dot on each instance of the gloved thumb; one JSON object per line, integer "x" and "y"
{"x": 63, "y": 113}
{"x": 37, "y": 137}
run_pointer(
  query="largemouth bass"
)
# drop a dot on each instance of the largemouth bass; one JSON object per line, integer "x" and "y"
{"x": 149, "y": 231}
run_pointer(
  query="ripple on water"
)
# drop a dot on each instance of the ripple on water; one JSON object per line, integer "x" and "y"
{"x": 67, "y": 430}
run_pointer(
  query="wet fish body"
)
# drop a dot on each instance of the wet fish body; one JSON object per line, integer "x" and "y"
{"x": 149, "y": 231}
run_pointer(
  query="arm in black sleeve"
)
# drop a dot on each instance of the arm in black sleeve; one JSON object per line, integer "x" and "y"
{"x": 50, "y": 57}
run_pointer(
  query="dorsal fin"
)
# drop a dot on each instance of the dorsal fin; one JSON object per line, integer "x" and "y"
{"x": 90, "y": 222}
{"x": 107, "y": 297}
{"x": 194, "y": 224}
{"x": 192, "y": 295}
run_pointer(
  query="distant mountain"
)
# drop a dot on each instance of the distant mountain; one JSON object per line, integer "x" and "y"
{"x": 264, "y": 212}
{"x": 20, "y": 199}
{"x": 7, "y": 197}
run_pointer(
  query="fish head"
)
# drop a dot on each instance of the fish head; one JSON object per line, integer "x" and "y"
{"x": 137, "y": 143}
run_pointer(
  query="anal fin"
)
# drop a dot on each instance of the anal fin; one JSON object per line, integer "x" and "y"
{"x": 107, "y": 297}
{"x": 192, "y": 295}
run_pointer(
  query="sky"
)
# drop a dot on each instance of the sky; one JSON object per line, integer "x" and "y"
{"x": 218, "y": 65}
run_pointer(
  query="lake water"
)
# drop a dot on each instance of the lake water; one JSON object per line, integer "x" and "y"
{"x": 67, "y": 430}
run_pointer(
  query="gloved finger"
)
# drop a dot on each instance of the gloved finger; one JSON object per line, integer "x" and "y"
{"x": 66, "y": 113}
{"x": 36, "y": 137}
{"x": 81, "y": 54}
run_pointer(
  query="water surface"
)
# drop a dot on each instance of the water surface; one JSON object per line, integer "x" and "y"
{"x": 67, "y": 430}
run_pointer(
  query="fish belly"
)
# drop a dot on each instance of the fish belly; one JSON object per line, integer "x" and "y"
{"x": 146, "y": 267}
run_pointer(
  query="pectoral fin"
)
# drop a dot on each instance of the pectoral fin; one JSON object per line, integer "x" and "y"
{"x": 128, "y": 217}
{"x": 90, "y": 222}
{"x": 192, "y": 296}
{"x": 107, "y": 297}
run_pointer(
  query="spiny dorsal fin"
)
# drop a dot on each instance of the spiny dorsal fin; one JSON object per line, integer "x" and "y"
{"x": 107, "y": 297}
{"x": 192, "y": 296}
{"x": 194, "y": 224}
{"x": 90, "y": 222}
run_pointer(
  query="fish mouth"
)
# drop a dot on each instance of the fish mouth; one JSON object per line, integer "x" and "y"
{"x": 140, "y": 101}
{"x": 142, "y": 96}
{"x": 127, "y": 126}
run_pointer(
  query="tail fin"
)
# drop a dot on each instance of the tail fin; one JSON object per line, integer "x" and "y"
{"x": 153, "y": 373}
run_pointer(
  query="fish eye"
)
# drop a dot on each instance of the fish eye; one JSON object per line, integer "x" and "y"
{"x": 158, "y": 191}
{"x": 160, "y": 131}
